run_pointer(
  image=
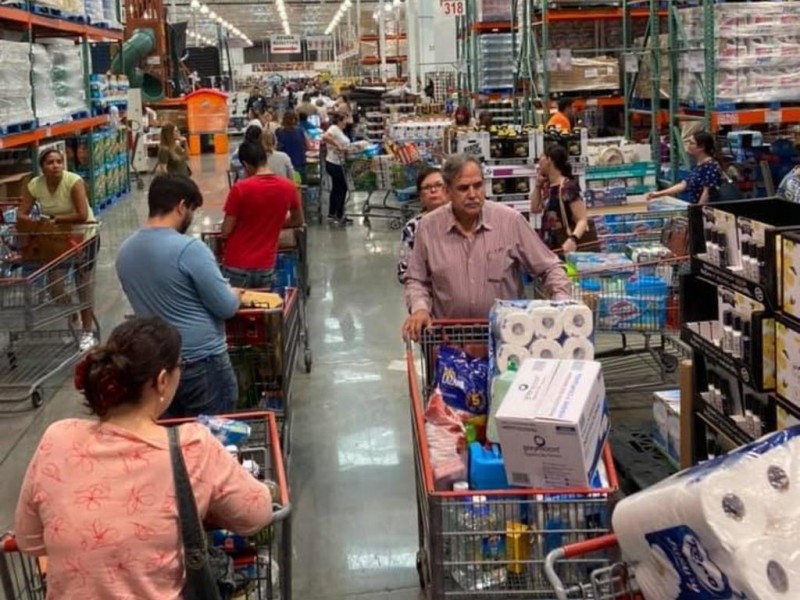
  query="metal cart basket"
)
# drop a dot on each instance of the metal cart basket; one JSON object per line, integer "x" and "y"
{"x": 456, "y": 528}
{"x": 613, "y": 582}
{"x": 47, "y": 277}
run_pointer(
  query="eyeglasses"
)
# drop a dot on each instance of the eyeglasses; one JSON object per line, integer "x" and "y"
{"x": 432, "y": 187}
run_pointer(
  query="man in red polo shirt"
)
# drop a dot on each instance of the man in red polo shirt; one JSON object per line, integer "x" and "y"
{"x": 255, "y": 212}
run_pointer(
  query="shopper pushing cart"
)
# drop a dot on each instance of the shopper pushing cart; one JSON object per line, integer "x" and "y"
{"x": 95, "y": 503}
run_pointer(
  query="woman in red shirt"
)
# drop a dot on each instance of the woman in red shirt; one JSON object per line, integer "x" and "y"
{"x": 255, "y": 212}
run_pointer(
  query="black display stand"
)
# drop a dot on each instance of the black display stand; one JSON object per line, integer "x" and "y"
{"x": 741, "y": 404}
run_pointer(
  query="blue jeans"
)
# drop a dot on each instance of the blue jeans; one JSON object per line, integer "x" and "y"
{"x": 256, "y": 279}
{"x": 208, "y": 387}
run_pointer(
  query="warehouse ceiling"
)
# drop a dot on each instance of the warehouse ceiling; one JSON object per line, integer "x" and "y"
{"x": 257, "y": 21}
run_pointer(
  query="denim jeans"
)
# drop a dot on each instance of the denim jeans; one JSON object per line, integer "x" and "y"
{"x": 256, "y": 279}
{"x": 208, "y": 387}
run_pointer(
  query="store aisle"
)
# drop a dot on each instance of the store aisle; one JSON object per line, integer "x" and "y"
{"x": 352, "y": 474}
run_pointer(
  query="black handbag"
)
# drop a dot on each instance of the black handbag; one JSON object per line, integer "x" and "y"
{"x": 205, "y": 569}
{"x": 588, "y": 242}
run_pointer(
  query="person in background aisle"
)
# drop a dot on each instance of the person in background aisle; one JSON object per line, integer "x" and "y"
{"x": 345, "y": 109}
{"x": 278, "y": 162}
{"x": 430, "y": 89}
{"x": 706, "y": 177}
{"x": 470, "y": 252}
{"x": 253, "y": 135}
{"x": 463, "y": 118}
{"x": 322, "y": 111}
{"x": 256, "y": 100}
{"x": 432, "y": 193}
{"x": 98, "y": 497}
{"x": 255, "y": 213}
{"x": 337, "y": 144}
{"x": 172, "y": 158}
{"x": 789, "y": 189}
{"x": 176, "y": 277}
{"x": 305, "y": 124}
{"x": 293, "y": 141}
{"x": 564, "y": 118}
{"x": 61, "y": 196}
{"x": 555, "y": 185}
{"x": 257, "y": 117}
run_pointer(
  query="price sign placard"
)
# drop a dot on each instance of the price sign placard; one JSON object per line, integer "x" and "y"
{"x": 453, "y": 8}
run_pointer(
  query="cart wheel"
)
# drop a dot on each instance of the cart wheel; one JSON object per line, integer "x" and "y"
{"x": 36, "y": 398}
{"x": 309, "y": 361}
{"x": 669, "y": 363}
{"x": 396, "y": 224}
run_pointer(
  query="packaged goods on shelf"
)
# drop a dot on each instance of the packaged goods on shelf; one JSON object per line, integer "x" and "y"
{"x": 367, "y": 49}
{"x": 67, "y": 76}
{"x": 496, "y": 70}
{"x": 667, "y": 422}
{"x": 494, "y": 10}
{"x": 110, "y": 14}
{"x": 94, "y": 10}
{"x": 586, "y": 74}
{"x": 15, "y": 83}
{"x": 44, "y": 95}
{"x": 69, "y": 7}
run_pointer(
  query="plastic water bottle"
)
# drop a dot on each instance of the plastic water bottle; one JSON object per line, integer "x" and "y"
{"x": 481, "y": 547}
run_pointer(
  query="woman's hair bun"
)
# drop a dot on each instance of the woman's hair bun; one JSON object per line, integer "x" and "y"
{"x": 136, "y": 352}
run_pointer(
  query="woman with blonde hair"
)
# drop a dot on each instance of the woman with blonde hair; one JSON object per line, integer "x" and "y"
{"x": 278, "y": 162}
{"x": 172, "y": 158}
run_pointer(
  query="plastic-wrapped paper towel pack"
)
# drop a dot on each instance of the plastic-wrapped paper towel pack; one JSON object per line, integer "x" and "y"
{"x": 523, "y": 329}
{"x": 726, "y": 529}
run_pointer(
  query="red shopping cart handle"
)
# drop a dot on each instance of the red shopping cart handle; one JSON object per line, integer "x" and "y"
{"x": 588, "y": 546}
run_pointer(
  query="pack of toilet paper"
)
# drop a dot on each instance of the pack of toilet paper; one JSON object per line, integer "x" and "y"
{"x": 726, "y": 529}
{"x": 521, "y": 329}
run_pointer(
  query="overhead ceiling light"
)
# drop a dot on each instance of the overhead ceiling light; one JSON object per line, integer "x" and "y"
{"x": 195, "y": 4}
{"x": 387, "y": 7}
{"x": 204, "y": 9}
{"x": 212, "y": 15}
{"x": 396, "y": 3}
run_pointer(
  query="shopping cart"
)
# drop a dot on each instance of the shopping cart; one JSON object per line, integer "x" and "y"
{"x": 389, "y": 179}
{"x": 312, "y": 191}
{"x": 263, "y": 567}
{"x": 613, "y": 582}
{"x": 643, "y": 300}
{"x": 528, "y": 522}
{"x": 47, "y": 276}
{"x": 292, "y": 272}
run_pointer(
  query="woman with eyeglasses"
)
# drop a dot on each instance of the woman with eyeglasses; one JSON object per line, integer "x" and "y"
{"x": 432, "y": 194}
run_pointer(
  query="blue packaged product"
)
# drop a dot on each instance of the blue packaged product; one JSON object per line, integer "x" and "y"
{"x": 228, "y": 540}
{"x": 462, "y": 380}
{"x": 486, "y": 468}
{"x": 228, "y": 431}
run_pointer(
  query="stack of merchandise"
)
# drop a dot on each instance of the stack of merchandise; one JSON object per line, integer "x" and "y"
{"x": 724, "y": 529}
{"x": 496, "y": 70}
{"x": 94, "y": 11}
{"x": 107, "y": 90}
{"x": 58, "y": 82}
{"x": 585, "y": 74}
{"x": 110, "y": 14}
{"x": 618, "y": 171}
{"x": 101, "y": 158}
{"x": 71, "y": 8}
{"x": 757, "y": 52}
{"x": 68, "y": 79}
{"x": 44, "y": 95}
{"x": 15, "y": 84}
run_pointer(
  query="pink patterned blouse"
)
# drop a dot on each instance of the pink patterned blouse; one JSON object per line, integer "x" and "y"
{"x": 99, "y": 501}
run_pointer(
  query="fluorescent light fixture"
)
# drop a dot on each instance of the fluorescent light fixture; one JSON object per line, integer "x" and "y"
{"x": 387, "y": 7}
{"x": 212, "y": 15}
{"x": 204, "y": 9}
{"x": 195, "y": 4}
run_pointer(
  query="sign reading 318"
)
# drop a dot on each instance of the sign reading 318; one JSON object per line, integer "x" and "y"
{"x": 453, "y": 8}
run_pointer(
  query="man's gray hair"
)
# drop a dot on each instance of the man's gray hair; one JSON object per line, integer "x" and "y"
{"x": 455, "y": 164}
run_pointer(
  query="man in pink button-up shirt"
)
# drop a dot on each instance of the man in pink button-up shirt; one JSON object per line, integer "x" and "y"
{"x": 469, "y": 253}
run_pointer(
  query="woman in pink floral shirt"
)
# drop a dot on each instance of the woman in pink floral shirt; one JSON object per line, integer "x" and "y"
{"x": 98, "y": 498}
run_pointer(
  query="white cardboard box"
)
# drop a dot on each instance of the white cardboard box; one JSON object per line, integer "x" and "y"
{"x": 553, "y": 423}
{"x": 667, "y": 419}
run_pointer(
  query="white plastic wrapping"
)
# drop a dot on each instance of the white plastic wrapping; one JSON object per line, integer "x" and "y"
{"x": 15, "y": 84}
{"x": 68, "y": 77}
{"x": 44, "y": 96}
{"x": 725, "y": 529}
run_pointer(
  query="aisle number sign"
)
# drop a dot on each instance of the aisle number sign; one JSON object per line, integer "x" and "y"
{"x": 453, "y": 8}
{"x": 285, "y": 44}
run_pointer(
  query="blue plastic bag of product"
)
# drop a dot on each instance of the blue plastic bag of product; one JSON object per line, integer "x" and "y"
{"x": 227, "y": 431}
{"x": 462, "y": 381}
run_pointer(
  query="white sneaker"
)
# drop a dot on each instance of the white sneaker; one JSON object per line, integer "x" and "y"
{"x": 88, "y": 341}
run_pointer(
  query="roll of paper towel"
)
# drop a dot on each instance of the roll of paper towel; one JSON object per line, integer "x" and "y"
{"x": 577, "y": 320}
{"x": 658, "y": 581}
{"x": 577, "y": 348}
{"x": 508, "y": 354}
{"x": 514, "y": 326}
{"x": 547, "y": 322}
{"x": 545, "y": 349}
{"x": 769, "y": 568}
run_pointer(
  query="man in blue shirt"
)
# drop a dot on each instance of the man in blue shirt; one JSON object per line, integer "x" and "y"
{"x": 174, "y": 276}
